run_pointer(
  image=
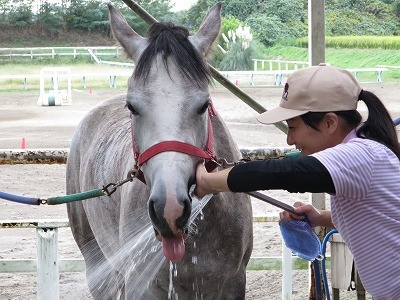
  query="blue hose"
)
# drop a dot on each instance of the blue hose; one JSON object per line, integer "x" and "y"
{"x": 323, "y": 250}
{"x": 20, "y": 199}
{"x": 396, "y": 121}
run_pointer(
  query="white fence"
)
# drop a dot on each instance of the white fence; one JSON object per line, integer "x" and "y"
{"x": 111, "y": 76}
{"x": 54, "y": 52}
{"x": 274, "y": 72}
{"x": 277, "y": 64}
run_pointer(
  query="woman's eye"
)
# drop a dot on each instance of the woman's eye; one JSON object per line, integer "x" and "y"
{"x": 131, "y": 108}
{"x": 203, "y": 109}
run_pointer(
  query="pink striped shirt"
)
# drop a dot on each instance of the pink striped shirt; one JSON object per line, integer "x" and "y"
{"x": 366, "y": 210}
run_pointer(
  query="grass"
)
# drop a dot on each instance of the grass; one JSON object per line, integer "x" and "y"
{"x": 364, "y": 42}
{"x": 345, "y": 58}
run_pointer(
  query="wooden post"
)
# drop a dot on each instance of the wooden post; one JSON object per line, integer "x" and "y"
{"x": 316, "y": 32}
{"x": 317, "y": 200}
{"x": 47, "y": 264}
{"x": 360, "y": 288}
{"x": 341, "y": 263}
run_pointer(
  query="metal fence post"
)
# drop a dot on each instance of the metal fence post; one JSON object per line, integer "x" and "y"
{"x": 286, "y": 273}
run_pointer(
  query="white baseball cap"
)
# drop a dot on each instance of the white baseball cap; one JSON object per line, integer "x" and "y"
{"x": 320, "y": 88}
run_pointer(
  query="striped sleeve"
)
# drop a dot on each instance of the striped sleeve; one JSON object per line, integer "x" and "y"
{"x": 348, "y": 164}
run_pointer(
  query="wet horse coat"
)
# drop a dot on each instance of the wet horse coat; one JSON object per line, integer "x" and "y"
{"x": 167, "y": 100}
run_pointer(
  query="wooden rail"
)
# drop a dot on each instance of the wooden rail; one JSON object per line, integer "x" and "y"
{"x": 54, "y": 52}
{"x": 111, "y": 76}
{"x": 278, "y": 75}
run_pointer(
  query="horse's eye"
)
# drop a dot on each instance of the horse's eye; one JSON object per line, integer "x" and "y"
{"x": 131, "y": 108}
{"x": 203, "y": 109}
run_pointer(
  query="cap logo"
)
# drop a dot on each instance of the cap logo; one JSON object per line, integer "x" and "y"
{"x": 285, "y": 92}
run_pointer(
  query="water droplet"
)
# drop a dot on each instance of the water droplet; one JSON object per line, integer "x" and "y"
{"x": 171, "y": 285}
{"x": 194, "y": 260}
{"x": 201, "y": 215}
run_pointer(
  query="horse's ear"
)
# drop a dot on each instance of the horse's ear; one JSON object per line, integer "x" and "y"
{"x": 208, "y": 31}
{"x": 132, "y": 42}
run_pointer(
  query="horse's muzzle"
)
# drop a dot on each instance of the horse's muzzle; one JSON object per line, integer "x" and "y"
{"x": 170, "y": 219}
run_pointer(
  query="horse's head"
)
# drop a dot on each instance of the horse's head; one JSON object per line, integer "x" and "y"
{"x": 169, "y": 99}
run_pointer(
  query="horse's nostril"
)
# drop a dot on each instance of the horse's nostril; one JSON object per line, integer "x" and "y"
{"x": 187, "y": 209}
{"x": 152, "y": 211}
{"x": 159, "y": 222}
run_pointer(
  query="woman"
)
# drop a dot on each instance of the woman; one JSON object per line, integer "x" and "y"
{"x": 356, "y": 162}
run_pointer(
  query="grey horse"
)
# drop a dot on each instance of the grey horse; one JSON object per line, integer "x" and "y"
{"x": 126, "y": 237}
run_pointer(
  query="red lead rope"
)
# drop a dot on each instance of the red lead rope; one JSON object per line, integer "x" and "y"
{"x": 178, "y": 146}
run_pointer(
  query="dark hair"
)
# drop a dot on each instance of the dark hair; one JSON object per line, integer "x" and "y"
{"x": 172, "y": 41}
{"x": 378, "y": 126}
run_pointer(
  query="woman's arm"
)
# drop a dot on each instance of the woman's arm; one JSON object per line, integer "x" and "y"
{"x": 211, "y": 183}
{"x": 297, "y": 175}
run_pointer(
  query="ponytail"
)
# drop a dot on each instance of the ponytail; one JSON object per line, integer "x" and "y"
{"x": 379, "y": 125}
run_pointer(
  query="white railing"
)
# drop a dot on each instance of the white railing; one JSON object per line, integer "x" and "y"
{"x": 59, "y": 51}
{"x": 259, "y": 78}
{"x": 280, "y": 74}
{"x": 277, "y": 64}
{"x": 111, "y": 76}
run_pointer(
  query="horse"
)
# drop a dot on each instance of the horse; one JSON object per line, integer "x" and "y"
{"x": 165, "y": 125}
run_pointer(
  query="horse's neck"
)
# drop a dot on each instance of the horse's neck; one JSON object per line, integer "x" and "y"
{"x": 224, "y": 145}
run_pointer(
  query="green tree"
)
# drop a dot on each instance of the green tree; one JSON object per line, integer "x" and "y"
{"x": 193, "y": 17}
{"x": 88, "y": 15}
{"x": 159, "y": 9}
{"x": 50, "y": 18}
{"x": 16, "y": 13}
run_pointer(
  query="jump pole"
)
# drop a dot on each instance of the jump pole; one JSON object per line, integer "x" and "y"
{"x": 150, "y": 20}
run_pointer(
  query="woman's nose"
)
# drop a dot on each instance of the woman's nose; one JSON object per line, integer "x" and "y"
{"x": 289, "y": 139}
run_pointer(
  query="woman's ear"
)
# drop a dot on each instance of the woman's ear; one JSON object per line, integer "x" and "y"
{"x": 331, "y": 122}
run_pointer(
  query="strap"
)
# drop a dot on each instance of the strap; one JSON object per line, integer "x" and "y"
{"x": 172, "y": 146}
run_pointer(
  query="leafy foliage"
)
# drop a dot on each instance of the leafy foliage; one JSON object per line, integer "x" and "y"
{"x": 271, "y": 21}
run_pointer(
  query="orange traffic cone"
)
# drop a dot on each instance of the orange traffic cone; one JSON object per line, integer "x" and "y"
{"x": 23, "y": 143}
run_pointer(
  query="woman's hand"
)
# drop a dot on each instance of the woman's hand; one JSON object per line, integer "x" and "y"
{"x": 313, "y": 215}
{"x": 201, "y": 172}
{"x": 210, "y": 183}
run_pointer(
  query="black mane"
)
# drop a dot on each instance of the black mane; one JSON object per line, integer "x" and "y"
{"x": 172, "y": 41}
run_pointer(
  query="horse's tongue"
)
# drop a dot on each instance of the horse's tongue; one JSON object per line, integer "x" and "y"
{"x": 173, "y": 248}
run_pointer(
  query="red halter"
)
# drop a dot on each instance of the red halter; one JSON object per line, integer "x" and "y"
{"x": 207, "y": 153}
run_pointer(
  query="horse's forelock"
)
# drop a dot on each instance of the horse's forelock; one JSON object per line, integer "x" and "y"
{"x": 172, "y": 41}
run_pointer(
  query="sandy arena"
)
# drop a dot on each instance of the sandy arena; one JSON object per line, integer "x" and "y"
{"x": 53, "y": 127}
